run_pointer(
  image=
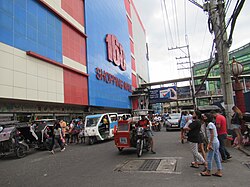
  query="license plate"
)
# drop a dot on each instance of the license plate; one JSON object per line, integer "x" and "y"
{"x": 123, "y": 140}
{"x": 174, "y": 125}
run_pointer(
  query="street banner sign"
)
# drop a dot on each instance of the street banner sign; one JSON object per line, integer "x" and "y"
{"x": 161, "y": 95}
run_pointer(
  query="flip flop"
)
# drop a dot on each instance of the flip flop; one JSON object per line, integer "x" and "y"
{"x": 205, "y": 174}
{"x": 217, "y": 175}
{"x": 193, "y": 166}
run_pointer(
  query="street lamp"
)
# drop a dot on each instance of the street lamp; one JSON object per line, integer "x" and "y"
{"x": 237, "y": 69}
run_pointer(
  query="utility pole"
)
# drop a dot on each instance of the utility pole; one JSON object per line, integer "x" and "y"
{"x": 187, "y": 56}
{"x": 217, "y": 16}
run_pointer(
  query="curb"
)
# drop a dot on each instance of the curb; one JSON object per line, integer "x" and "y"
{"x": 245, "y": 151}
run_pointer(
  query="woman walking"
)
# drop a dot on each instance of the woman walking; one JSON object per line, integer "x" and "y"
{"x": 57, "y": 136}
{"x": 213, "y": 148}
{"x": 194, "y": 139}
{"x": 236, "y": 122}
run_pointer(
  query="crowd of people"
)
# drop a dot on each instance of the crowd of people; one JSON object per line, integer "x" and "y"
{"x": 64, "y": 134}
{"x": 207, "y": 134}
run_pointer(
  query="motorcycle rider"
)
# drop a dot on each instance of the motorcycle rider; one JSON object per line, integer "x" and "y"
{"x": 144, "y": 122}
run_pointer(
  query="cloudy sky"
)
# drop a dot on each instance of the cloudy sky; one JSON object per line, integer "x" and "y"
{"x": 163, "y": 63}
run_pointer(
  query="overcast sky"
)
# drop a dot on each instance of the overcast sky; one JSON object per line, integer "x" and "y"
{"x": 163, "y": 63}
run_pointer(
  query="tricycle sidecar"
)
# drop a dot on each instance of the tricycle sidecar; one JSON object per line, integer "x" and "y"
{"x": 99, "y": 127}
{"x": 16, "y": 138}
{"x": 124, "y": 135}
{"x": 44, "y": 130}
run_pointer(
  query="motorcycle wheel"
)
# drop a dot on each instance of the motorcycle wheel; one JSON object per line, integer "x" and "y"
{"x": 120, "y": 149}
{"x": 139, "y": 148}
{"x": 20, "y": 152}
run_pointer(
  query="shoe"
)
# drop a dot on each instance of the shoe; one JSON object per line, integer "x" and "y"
{"x": 52, "y": 152}
{"x": 153, "y": 152}
{"x": 217, "y": 175}
{"x": 63, "y": 149}
{"x": 229, "y": 157}
{"x": 194, "y": 166}
{"x": 205, "y": 174}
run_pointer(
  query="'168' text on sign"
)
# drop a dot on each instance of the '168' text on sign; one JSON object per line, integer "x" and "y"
{"x": 115, "y": 52}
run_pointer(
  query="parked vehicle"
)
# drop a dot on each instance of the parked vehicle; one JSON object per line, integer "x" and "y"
{"x": 114, "y": 120}
{"x": 124, "y": 116}
{"x": 44, "y": 129}
{"x": 16, "y": 138}
{"x": 246, "y": 129}
{"x": 99, "y": 127}
{"x": 208, "y": 108}
{"x": 173, "y": 121}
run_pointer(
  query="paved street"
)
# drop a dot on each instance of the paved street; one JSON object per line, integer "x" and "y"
{"x": 84, "y": 165}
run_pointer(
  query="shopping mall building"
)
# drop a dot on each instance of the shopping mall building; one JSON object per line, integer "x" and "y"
{"x": 61, "y": 58}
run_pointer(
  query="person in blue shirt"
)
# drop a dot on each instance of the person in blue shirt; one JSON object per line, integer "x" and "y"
{"x": 183, "y": 121}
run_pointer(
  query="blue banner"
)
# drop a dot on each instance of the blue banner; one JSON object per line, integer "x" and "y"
{"x": 161, "y": 95}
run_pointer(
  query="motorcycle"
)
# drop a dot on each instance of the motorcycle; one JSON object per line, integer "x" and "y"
{"x": 246, "y": 129}
{"x": 17, "y": 139}
{"x": 142, "y": 141}
{"x": 44, "y": 130}
{"x": 156, "y": 126}
{"x": 246, "y": 134}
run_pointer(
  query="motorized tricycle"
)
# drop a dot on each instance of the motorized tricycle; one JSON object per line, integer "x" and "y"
{"x": 127, "y": 134}
{"x": 124, "y": 116}
{"x": 16, "y": 138}
{"x": 99, "y": 127}
{"x": 44, "y": 130}
{"x": 245, "y": 128}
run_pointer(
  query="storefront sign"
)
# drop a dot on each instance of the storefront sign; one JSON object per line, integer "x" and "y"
{"x": 111, "y": 79}
{"x": 115, "y": 52}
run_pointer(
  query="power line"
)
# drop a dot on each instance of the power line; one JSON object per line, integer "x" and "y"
{"x": 177, "y": 26}
{"x": 165, "y": 8}
{"x": 228, "y": 5}
{"x": 235, "y": 15}
{"x": 174, "y": 22}
{"x": 185, "y": 14}
{"x": 165, "y": 29}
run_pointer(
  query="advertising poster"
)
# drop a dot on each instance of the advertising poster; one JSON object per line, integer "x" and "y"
{"x": 161, "y": 95}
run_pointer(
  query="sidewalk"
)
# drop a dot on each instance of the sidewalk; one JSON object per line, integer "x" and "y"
{"x": 246, "y": 150}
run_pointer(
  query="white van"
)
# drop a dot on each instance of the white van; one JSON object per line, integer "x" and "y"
{"x": 124, "y": 116}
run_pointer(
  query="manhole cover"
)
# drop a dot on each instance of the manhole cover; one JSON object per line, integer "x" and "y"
{"x": 150, "y": 165}
{"x": 157, "y": 165}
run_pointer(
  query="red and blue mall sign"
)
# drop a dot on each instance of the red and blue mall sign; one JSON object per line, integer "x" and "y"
{"x": 115, "y": 52}
{"x": 108, "y": 54}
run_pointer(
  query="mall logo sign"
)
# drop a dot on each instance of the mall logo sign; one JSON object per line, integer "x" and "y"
{"x": 115, "y": 52}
